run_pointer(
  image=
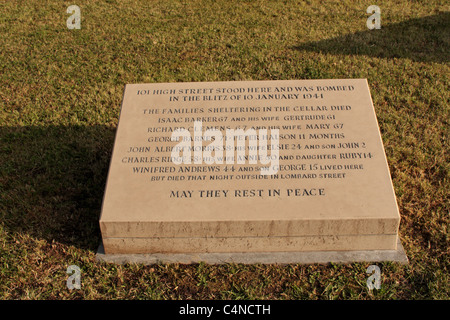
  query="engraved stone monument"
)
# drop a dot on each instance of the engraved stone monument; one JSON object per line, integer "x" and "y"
{"x": 248, "y": 167}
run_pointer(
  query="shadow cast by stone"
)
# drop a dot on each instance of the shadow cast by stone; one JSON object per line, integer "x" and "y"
{"x": 52, "y": 181}
{"x": 422, "y": 40}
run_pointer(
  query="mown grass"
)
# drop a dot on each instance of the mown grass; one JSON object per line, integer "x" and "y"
{"x": 60, "y": 93}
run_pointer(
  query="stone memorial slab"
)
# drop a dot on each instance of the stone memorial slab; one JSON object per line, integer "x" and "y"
{"x": 251, "y": 166}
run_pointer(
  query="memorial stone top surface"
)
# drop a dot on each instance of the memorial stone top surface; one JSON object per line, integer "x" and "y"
{"x": 248, "y": 165}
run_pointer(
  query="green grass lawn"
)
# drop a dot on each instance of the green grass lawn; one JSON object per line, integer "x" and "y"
{"x": 60, "y": 95}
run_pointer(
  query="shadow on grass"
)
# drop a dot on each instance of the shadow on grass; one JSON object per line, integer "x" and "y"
{"x": 52, "y": 181}
{"x": 422, "y": 40}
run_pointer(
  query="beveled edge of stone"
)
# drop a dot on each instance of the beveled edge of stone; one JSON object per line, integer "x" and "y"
{"x": 311, "y": 257}
{"x": 245, "y": 228}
